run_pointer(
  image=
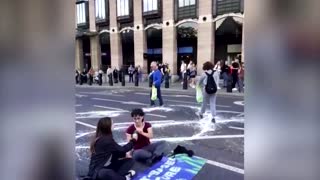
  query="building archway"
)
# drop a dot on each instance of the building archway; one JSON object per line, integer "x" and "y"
{"x": 187, "y": 36}
{"x": 127, "y": 41}
{"x": 228, "y": 37}
{"x": 105, "y": 50}
{"x": 154, "y": 45}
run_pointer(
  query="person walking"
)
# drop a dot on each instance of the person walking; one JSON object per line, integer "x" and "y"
{"x": 100, "y": 76}
{"x": 91, "y": 74}
{"x": 216, "y": 74}
{"x": 130, "y": 72}
{"x": 77, "y": 76}
{"x": 193, "y": 73}
{"x": 157, "y": 77}
{"x": 105, "y": 163}
{"x": 115, "y": 75}
{"x": 209, "y": 89}
{"x": 139, "y": 73}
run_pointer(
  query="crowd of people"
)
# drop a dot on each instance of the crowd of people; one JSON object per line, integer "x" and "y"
{"x": 110, "y": 161}
{"x": 96, "y": 77}
{"x": 221, "y": 70}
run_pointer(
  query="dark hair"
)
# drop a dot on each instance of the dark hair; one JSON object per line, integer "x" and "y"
{"x": 137, "y": 112}
{"x": 103, "y": 129}
{"x": 207, "y": 66}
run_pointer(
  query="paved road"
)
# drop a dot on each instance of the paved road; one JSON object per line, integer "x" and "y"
{"x": 176, "y": 123}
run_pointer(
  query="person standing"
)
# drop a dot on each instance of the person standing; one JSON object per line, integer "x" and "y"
{"x": 241, "y": 78}
{"x": 100, "y": 76}
{"x": 139, "y": 73}
{"x": 209, "y": 89}
{"x": 105, "y": 163}
{"x": 130, "y": 72}
{"x": 225, "y": 69}
{"x": 216, "y": 74}
{"x": 91, "y": 74}
{"x": 183, "y": 70}
{"x": 157, "y": 77}
{"x": 77, "y": 76}
{"x": 115, "y": 74}
{"x": 234, "y": 72}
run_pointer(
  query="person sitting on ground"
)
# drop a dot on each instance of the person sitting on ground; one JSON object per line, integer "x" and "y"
{"x": 144, "y": 151}
{"x": 105, "y": 163}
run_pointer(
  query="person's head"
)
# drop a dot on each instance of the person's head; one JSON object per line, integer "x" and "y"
{"x": 207, "y": 66}
{"x": 236, "y": 60}
{"x": 137, "y": 116}
{"x": 153, "y": 65}
{"x": 182, "y": 62}
{"x": 218, "y": 62}
{"x": 104, "y": 128}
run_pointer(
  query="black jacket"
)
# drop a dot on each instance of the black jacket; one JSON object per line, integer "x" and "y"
{"x": 107, "y": 151}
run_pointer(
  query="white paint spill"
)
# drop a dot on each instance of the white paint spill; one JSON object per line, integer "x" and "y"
{"x": 240, "y": 103}
{"x": 237, "y": 128}
{"x": 78, "y": 105}
{"x": 80, "y": 95}
{"x": 97, "y": 114}
{"x": 122, "y": 102}
{"x": 156, "y": 115}
{"x": 167, "y": 95}
{"x": 86, "y": 124}
{"x": 103, "y": 93}
{"x": 150, "y": 109}
{"x": 111, "y": 108}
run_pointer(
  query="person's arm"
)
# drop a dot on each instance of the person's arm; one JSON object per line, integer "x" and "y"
{"x": 149, "y": 134}
{"x": 202, "y": 77}
{"x": 123, "y": 149}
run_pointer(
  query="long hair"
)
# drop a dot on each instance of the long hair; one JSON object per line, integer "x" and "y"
{"x": 103, "y": 129}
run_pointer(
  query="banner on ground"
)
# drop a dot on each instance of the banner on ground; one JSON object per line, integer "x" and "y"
{"x": 180, "y": 167}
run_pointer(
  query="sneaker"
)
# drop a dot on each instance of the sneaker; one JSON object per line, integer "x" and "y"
{"x": 130, "y": 174}
{"x": 234, "y": 89}
{"x": 219, "y": 88}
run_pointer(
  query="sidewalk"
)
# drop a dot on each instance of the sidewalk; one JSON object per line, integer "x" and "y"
{"x": 174, "y": 87}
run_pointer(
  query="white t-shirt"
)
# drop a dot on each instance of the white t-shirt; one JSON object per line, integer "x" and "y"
{"x": 183, "y": 68}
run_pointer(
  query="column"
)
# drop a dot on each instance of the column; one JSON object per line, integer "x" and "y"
{"x": 169, "y": 40}
{"x": 95, "y": 51}
{"x": 115, "y": 39}
{"x": 140, "y": 44}
{"x": 206, "y": 35}
{"x": 79, "y": 55}
{"x": 92, "y": 16}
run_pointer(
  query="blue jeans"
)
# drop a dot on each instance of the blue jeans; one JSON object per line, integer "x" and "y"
{"x": 225, "y": 79}
{"x": 148, "y": 152}
{"x": 158, "y": 96}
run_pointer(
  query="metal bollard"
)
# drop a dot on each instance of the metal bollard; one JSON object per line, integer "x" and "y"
{"x": 136, "y": 79}
{"x": 166, "y": 81}
{"x": 185, "y": 81}
{"x": 123, "y": 82}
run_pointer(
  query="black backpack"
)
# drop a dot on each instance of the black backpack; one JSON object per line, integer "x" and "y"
{"x": 211, "y": 86}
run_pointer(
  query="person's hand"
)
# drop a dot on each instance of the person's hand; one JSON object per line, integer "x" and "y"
{"x": 139, "y": 130}
{"x": 128, "y": 155}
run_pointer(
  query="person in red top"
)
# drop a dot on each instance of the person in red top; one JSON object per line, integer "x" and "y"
{"x": 143, "y": 150}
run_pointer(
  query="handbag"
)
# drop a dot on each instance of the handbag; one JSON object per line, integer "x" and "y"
{"x": 153, "y": 93}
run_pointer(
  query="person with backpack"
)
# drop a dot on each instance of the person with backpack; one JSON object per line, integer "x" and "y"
{"x": 108, "y": 160}
{"x": 209, "y": 90}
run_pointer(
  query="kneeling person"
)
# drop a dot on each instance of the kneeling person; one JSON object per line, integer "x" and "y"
{"x": 144, "y": 151}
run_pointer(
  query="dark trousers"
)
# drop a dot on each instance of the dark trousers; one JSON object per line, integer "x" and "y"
{"x": 116, "y": 171}
{"x": 130, "y": 77}
{"x": 90, "y": 80}
{"x": 234, "y": 80}
{"x": 158, "y": 96}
